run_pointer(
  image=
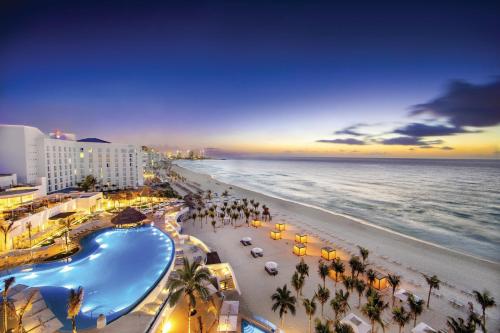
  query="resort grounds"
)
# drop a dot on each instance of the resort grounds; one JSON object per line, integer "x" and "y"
{"x": 390, "y": 253}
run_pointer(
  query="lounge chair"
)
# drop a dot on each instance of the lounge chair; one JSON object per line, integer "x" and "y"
{"x": 271, "y": 271}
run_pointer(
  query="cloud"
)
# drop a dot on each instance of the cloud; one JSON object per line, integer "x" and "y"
{"x": 350, "y": 130}
{"x": 465, "y": 104}
{"x": 422, "y": 130}
{"x": 447, "y": 148}
{"x": 344, "y": 141}
{"x": 408, "y": 141}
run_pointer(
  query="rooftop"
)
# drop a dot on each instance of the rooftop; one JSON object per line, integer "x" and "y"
{"x": 93, "y": 140}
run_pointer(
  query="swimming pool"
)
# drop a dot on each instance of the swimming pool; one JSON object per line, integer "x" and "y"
{"x": 247, "y": 327}
{"x": 117, "y": 268}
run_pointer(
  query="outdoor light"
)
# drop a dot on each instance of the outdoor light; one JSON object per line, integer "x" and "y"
{"x": 299, "y": 249}
{"x": 380, "y": 281}
{"x": 301, "y": 238}
{"x": 256, "y": 223}
{"x": 275, "y": 234}
{"x": 280, "y": 226}
{"x": 328, "y": 253}
{"x": 167, "y": 327}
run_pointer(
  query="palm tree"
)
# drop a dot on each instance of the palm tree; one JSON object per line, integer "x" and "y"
{"x": 7, "y": 283}
{"x": 298, "y": 283}
{"x": 416, "y": 307}
{"x": 343, "y": 328}
{"x": 323, "y": 271}
{"x": 310, "y": 307}
{"x": 75, "y": 301}
{"x": 340, "y": 303}
{"x": 339, "y": 268}
{"x": 190, "y": 283}
{"x": 66, "y": 223}
{"x": 28, "y": 226}
{"x": 23, "y": 309}
{"x": 302, "y": 268}
{"x": 394, "y": 281}
{"x": 370, "y": 275}
{"x": 433, "y": 282}
{"x": 319, "y": 327}
{"x": 486, "y": 301}
{"x": 364, "y": 252}
{"x": 322, "y": 295}
{"x": 247, "y": 216}
{"x": 373, "y": 310}
{"x": 356, "y": 265}
{"x": 284, "y": 301}
{"x": 213, "y": 225}
{"x": 348, "y": 283}
{"x": 460, "y": 326}
{"x": 400, "y": 317}
{"x": 6, "y": 228}
{"x": 360, "y": 286}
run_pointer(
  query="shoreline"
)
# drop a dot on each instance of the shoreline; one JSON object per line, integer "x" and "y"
{"x": 348, "y": 217}
{"x": 354, "y": 219}
{"x": 398, "y": 251}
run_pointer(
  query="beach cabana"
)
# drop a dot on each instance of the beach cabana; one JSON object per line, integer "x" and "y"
{"x": 299, "y": 249}
{"x": 256, "y": 223}
{"x": 228, "y": 319}
{"x": 275, "y": 234}
{"x": 328, "y": 253}
{"x": 301, "y": 238}
{"x": 280, "y": 226}
{"x": 129, "y": 217}
{"x": 357, "y": 324}
{"x": 403, "y": 294}
{"x": 423, "y": 328}
{"x": 39, "y": 317}
{"x": 380, "y": 281}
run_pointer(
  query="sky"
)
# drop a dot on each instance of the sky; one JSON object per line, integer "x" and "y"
{"x": 402, "y": 79}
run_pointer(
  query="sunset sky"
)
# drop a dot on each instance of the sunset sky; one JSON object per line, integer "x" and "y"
{"x": 405, "y": 79}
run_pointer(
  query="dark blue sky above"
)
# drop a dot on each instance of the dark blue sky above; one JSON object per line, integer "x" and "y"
{"x": 175, "y": 72}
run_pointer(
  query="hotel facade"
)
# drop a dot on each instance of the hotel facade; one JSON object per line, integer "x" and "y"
{"x": 61, "y": 161}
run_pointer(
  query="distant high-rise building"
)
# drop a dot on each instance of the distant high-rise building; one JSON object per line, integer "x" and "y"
{"x": 64, "y": 161}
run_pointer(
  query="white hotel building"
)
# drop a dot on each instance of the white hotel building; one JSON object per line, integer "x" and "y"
{"x": 64, "y": 161}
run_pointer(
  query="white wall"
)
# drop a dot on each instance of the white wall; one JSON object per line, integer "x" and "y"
{"x": 30, "y": 154}
{"x": 7, "y": 181}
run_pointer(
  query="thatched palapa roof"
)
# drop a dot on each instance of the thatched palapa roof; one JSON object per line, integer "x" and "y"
{"x": 128, "y": 216}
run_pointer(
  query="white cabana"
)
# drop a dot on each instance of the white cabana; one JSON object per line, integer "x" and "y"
{"x": 38, "y": 317}
{"x": 228, "y": 319}
{"x": 423, "y": 328}
{"x": 358, "y": 325}
{"x": 246, "y": 239}
{"x": 403, "y": 294}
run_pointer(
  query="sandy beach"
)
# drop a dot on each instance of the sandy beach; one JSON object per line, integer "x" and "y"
{"x": 389, "y": 253}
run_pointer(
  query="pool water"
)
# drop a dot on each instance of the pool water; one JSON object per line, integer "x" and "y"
{"x": 247, "y": 327}
{"x": 117, "y": 268}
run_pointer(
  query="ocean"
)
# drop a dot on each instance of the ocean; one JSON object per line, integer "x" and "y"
{"x": 451, "y": 203}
